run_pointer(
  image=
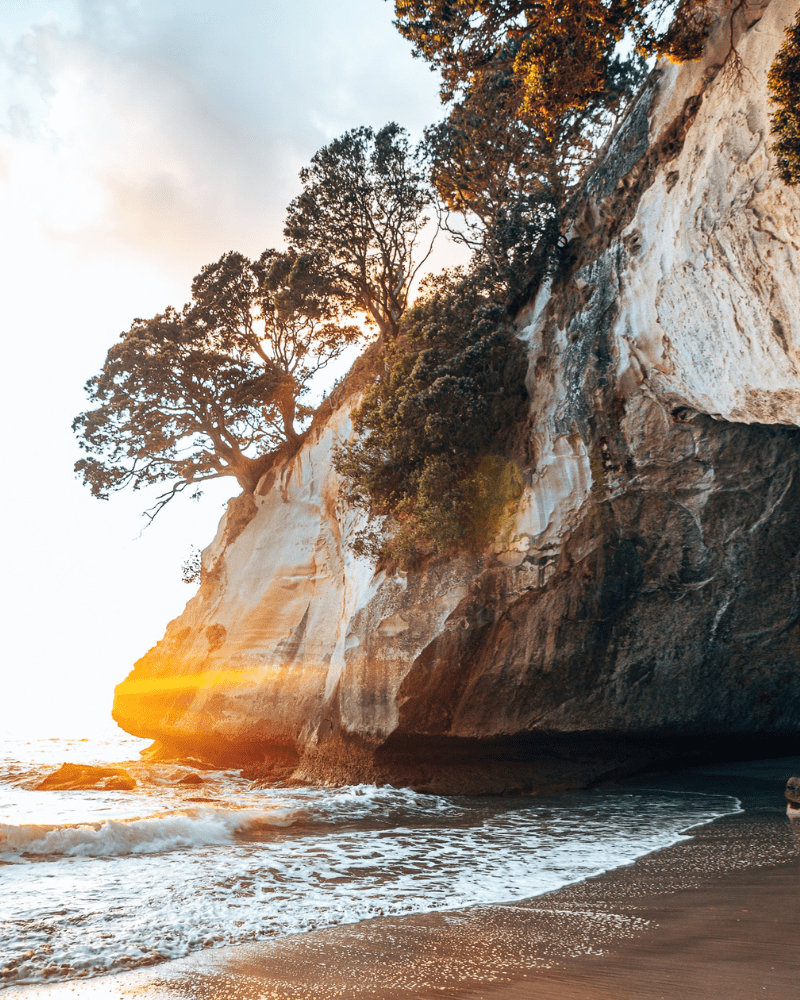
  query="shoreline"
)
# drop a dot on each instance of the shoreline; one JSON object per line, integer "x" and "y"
{"x": 712, "y": 914}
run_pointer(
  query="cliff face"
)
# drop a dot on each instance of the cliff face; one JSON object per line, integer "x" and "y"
{"x": 642, "y": 601}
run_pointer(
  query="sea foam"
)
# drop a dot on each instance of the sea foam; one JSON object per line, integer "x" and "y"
{"x": 97, "y": 881}
{"x": 148, "y": 835}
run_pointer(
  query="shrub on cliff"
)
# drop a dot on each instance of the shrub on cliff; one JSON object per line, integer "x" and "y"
{"x": 434, "y": 425}
{"x": 784, "y": 92}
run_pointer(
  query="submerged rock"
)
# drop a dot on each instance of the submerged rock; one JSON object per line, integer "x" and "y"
{"x": 120, "y": 783}
{"x": 640, "y": 603}
{"x": 87, "y": 776}
{"x": 190, "y": 779}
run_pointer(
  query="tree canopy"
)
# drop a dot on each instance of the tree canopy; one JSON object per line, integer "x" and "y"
{"x": 533, "y": 89}
{"x": 361, "y": 215}
{"x": 561, "y": 53}
{"x": 212, "y": 389}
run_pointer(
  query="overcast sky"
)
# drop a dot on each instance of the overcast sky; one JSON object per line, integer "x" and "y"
{"x": 139, "y": 140}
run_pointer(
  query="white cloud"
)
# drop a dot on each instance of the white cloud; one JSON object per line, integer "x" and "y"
{"x": 177, "y": 129}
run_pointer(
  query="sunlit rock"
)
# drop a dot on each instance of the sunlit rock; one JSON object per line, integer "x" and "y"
{"x": 190, "y": 779}
{"x": 87, "y": 776}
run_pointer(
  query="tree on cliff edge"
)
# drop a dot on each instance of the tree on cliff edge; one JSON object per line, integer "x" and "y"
{"x": 533, "y": 88}
{"x": 360, "y": 215}
{"x": 212, "y": 390}
{"x": 563, "y": 54}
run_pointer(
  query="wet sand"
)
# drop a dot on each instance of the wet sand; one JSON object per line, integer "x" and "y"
{"x": 711, "y": 917}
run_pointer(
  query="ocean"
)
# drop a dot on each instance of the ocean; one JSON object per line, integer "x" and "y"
{"x": 98, "y": 882}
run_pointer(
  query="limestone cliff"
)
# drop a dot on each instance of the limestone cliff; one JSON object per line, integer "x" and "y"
{"x": 642, "y": 602}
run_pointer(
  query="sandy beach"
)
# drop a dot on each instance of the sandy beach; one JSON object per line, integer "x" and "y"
{"x": 712, "y": 916}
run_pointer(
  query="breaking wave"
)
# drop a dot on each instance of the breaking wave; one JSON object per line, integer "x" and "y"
{"x": 150, "y": 835}
{"x": 98, "y": 881}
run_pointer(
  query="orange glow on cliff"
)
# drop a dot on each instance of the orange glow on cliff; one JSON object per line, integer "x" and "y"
{"x": 286, "y": 674}
{"x": 205, "y": 679}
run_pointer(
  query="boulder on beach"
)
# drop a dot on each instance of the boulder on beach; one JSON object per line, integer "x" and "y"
{"x": 793, "y": 792}
{"x": 86, "y": 776}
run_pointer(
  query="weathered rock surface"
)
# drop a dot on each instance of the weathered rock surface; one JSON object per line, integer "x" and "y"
{"x": 87, "y": 776}
{"x": 190, "y": 779}
{"x": 642, "y": 602}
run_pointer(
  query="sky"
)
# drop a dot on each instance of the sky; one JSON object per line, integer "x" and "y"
{"x": 140, "y": 140}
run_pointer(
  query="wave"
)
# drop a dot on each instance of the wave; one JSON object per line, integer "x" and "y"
{"x": 149, "y": 835}
{"x": 320, "y": 873}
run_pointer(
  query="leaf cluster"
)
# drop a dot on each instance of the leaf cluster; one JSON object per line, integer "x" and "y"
{"x": 451, "y": 390}
{"x": 192, "y": 568}
{"x": 784, "y": 91}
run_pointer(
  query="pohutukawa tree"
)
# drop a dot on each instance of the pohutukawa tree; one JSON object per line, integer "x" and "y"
{"x": 533, "y": 89}
{"x": 361, "y": 215}
{"x": 214, "y": 389}
{"x": 562, "y": 53}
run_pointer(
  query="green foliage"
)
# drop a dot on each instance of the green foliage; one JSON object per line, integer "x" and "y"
{"x": 784, "y": 92}
{"x": 211, "y": 390}
{"x": 360, "y": 216}
{"x": 451, "y": 391}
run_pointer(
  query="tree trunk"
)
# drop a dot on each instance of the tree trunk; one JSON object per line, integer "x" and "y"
{"x": 248, "y": 471}
{"x": 287, "y": 404}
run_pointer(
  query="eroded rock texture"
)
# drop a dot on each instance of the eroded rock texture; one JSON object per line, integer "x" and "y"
{"x": 641, "y": 604}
